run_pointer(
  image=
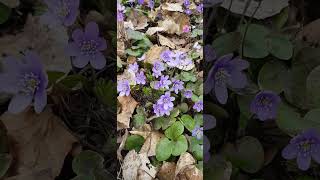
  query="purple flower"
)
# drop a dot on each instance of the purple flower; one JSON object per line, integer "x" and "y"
{"x": 198, "y": 106}
{"x": 158, "y": 110}
{"x": 140, "y": 78}
{"x": 188, "y": 94}
{"x": 26, "y": 81}
{"x": 304, "y": 147}
{"x": 265, "y": 105}
{"x": 210, "y": 53}
{"x": 206, "y": 149}
{"x": 200, "y": 8}
{"x": 226, "y": 71}
{"x": 186, "y": 3}
{"x": 163, "y": 83}
{"x": 158, "y": 67}
{"x": 133, "y": 68}
{"x": 140, "y": 2}
{"x": 60, "y": 12}
{"x": 120, "y": 12}
{"x": 197, "y": 132}
{"x": 167, "y": 55}
{"x": 166, "y": 101}
{"x": 177, "y": 85}
{"x": 188, "y": 11}
{"x": 87, "y": 46}
{"x": 186, "y": 29}
{"x": 151, "y": 4}
{"x": 123, "y": 87}
{"x": 209, "y": 122}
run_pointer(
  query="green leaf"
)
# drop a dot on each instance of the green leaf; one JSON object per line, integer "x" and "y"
{"x": 313, "y": 87}
{"x": 280, "y": 46}
{"x": 227, "y": 43}
{"x": 174, "y": 131}
{"x": 164, "y": 149}
{"x": 218, "y": 168}
{"x": 163, "y": 122}
{"x": 180, "y": 145}
{"x": 139, "y": 118}
{"x": 312, "y": 120}
{"x": 135, "y": 53}
{"x": 280, "y": 20}
{"x": 188, "y": 122}
{"x": 135, "y": 35}
{"x": 175, "y": 113}
{"x": 134, "y": 142}
{"x": 183, "y": 107}
{"x": 5, "y": 162}
{"x": 72, "y": 81}
{"x": 5, "y": 13}
{"x": 84, "y": 177}
{"x": 54, "y": 76}
{"x": 198, "y": 118}
{"x": 255, "y": 45}
{"x": 244, "y": 103}
{"x": 105, "y": 91}
{"x": 86, "y": 162}
{"x": 188, "y": 76}
{"x": 273, "y": 76}
{"x": 247, "y": 154}
{"x": 217, "y": 111}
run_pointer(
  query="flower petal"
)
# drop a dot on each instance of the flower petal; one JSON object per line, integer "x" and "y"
{"x": 77, "y": 35}
{"x": 98, "y": 62}
{"x": 40, "y": 101}
{"x": 239, "y": 64}
{"x": 71, "y": 18}
{"x": 92, "y": 30}
{"x": 80, "y": 61}
{"x": 303, "y": 161}
{"x": 221, "y": 92}
{"x": 102, "y": 44}
{"x": 316, "y": 153}
{"x": 19, "y": 103}
{"x": 209, "y": 121}
{"x": 72, "y": 49}
{"x": 237, "y": 80}
{"x": 290, "y": 151}
{"x": 209, "y": 83}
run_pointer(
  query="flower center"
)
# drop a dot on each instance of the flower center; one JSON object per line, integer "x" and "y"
{"x": 30, "y": 83}
{"x": 221, "y": 76}
{"x": 305, "y": 146}
{"x": 89, "y": 47}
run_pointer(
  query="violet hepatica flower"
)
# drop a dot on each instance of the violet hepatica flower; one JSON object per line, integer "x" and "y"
{"x": 304, "y": 147}
{"x": 177, "y": 85}
{"x": 167, "y": 55}
{"x": 26, "y": 81}
{"x": 140, "y": 2}
{"x": 265, "y": 105}
{"x": 166, "y": 101}
{"x": 151, "y": 4}
{"x": 209, "y": 53}
{"x": 60, "y": 12}
{"x": 198, "y": 106}
{"x": 87, "y": 46}
{"x": 197, "y": 132}
{"x": 200, "y": 8}
{"x": 188, "y": 94}
{"x": 158, "y": 109}
{"x": 226, "y": 72}
{"x": 186, "y": 3}
{"x": 158, "y": 67}
{"x": 188, "y": 11}
{"x": 163, "y": 83}
{"x": 140, "y": 78}
{"x": 120, "y": 12}
{"x": 123, "y": 87}
{"x": 133, "y": 68}
{"x": 209, "y": 122}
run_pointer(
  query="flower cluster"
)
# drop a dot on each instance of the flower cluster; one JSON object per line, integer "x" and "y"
{"x": 188, "y": 10}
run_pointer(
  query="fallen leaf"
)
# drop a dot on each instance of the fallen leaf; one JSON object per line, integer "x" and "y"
{"x": 167, "y": 171}
{"x": 153, "y": 54}
{"x": 48, "y": 43}
{"x": 190, "y": 173}
{"x": 150, "y": 144}
{"x": 128, "y": 105}
{"x": 311, "y": 32}
{"x": 170, "y": 26}
{"x": 185, "y": 160}
{"x": 176, "y": 7}
{"x": 146, "y": 167}
{"x": 267, "y": 8}
{"x": 144, "y": 131}
{"x": 11, "y": 3}
{"x": 166, "y": 42}
{"x": 138, "y": 20}
{"x": 122, "y": 144}
{"x": 40, "y": 144}
{"x": 152, "y": 30}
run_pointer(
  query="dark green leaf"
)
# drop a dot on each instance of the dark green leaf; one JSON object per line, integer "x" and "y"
{"x": 134, "y": 142}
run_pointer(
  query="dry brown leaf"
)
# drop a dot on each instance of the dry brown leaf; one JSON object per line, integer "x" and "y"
{"x": 40, "y": 144}
{"x": 166, "y": 171}
{"x": 152, "y": 30}
{"x": 153, "y": 54}
{"x": 128, "y": 105}
{"x": 191, "y": 172}
{"x": 267, "y": 9}
{"x": 144, "y": 131}
{"x": 170, "y": 26}
{"x": 166, "y": 42}
{"x": 150, "y": 144}
{"x": 11, "y": 3}
{"x": 137, "y": 167}
{"x": 122, "y": 144}
{"x": 185, "y": 160}
{"x": 176, "y": 7}
{"x": 311, "y": 32}
{"x": 48, "y": 43}
{"x": 138, "y": 20}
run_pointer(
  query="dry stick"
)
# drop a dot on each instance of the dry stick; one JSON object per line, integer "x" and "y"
{"x": 247, "y": 27}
